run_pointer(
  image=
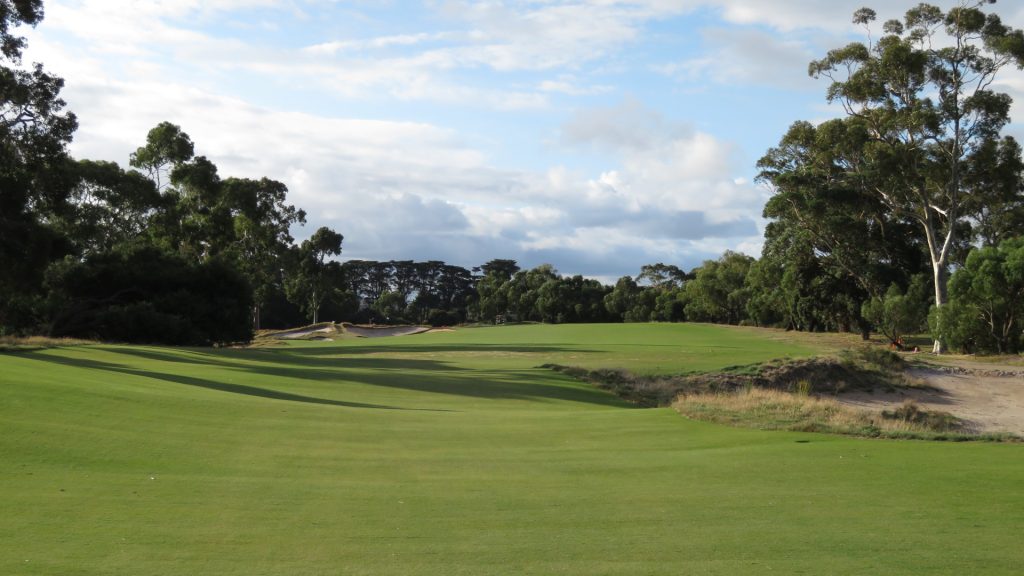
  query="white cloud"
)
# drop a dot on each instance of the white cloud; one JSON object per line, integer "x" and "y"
{"x": 747, "y": 56}
{"x": 655, "y": 188}
{"x": 334, "y": 47}
{"x": 572, "y": 86}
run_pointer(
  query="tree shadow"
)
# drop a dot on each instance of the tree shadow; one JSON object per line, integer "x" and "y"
{"x": 460, "y": 348}
{"x": 499, "y": 385}
{"x": 209, "y": 384}
{"x": 335, "y": 365}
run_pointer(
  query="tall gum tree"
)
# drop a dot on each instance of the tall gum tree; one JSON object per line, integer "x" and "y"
{"x": 923, "y": 94}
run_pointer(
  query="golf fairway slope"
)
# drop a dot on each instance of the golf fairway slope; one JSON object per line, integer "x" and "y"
{"x": 453, "y": 453}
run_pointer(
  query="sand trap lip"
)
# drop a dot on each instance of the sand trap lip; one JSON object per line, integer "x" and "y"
{"x": 383, "y": 331}
{"x": 300, "y": 332}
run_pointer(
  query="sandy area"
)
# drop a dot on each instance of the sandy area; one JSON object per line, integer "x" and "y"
{"x": 299, "y": 333}
{"x": 382, "y": 331}
{"x": 360, "y": 331}
{"x": 988, "y": 397}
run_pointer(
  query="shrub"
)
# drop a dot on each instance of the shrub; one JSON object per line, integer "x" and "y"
{"x": 146, "y": 295}
{"x": 985, "y": 312}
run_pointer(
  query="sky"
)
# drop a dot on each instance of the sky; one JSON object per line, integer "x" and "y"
{"x": 593, "y": 135}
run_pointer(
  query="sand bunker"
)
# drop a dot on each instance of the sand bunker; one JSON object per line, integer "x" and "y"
{"x": 325, "y": 331}
{"x": 307, "y": 331}
{"x": 383, "y": 331}
{"x": 989, "y": 398}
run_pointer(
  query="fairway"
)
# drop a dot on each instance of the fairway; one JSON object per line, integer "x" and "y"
{"x": 453, "y": 453}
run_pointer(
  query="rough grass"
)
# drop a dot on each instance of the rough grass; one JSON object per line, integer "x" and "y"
{"x": 24, "y": 343}
{"x": 777, "y": 410}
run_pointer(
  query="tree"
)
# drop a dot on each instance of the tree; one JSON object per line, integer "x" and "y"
{"x": 500, "y": 268}
{"x": 524, "y": 291}
{"x": 390, "y": 306}
{"x": 34, "y": 166}
{"x": 661, "y": 276}
{"x": 314, "y": 278}
{"x": 166, "y": 148}
{"x": 925, "y": 108}
{"x": 261, "y": 229}
{"x": 203, "y": 217}
{"x": 14, "y": 13}
{"x": 767, "y": 304}
{"x": 898, "y": 313}
{"x": 622, "y": 300}
{"x": 144, "y": 294}
{"x": 819, "y": 213}
{"x": 492, "y": 289}
{"x": 999, "y": 215}
{"x": 109, "y": 207}
{"x": 719, "y": 292}
{"x": 987, "y": 300}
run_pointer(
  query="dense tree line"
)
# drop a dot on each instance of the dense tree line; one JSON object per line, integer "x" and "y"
{"x": 902, "y": 216}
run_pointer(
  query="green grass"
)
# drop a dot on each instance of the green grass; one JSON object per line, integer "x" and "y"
{"x": 451, "y": 453}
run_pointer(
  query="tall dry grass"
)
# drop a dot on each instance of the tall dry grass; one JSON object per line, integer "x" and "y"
{"x": 36, "y": 342}
{"x": 777, "y": 410}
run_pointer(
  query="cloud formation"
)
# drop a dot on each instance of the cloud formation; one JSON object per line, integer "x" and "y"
{"x": 544, "y": 131}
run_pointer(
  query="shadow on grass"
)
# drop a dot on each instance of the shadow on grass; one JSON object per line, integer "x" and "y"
{"x": 209, "y": 384}
{"x": 461, "y": 348}
{"x": 348, "y": 364}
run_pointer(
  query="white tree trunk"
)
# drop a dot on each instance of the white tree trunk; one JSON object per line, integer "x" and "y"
{"x": 939, "y": 257}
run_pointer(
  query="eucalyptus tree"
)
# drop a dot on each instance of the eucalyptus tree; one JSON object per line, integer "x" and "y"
{"x": 500, "y": 268}
{"x": 719, "y": 293}
{"x": 524, "y": 291}
{"x": 492, "y": 288}
{"x": 109, "y": 207}
{"x": 314, "y": 277}
{"x": 661, "y": 276}
{"x": 1000, "y": 171}
{"x": 622, "y": 301}
{"x": 166, "y": 147}
{"x": 820, "y": 210}
{"x": 261, "y": 233}
{"x": 922, "y": 96}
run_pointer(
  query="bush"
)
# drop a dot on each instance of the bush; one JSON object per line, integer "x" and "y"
{"x": 145, "y": 295}
{"x": 442, "y": 318}
{"x": 985, "y": 312}
{"x": 958, "y": 325}
{"x": 897, "y": 313}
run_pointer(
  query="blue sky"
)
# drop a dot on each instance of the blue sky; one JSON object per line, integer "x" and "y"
{"x": 595, "y": 135}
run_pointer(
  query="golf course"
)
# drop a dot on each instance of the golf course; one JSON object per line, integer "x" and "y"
{"x": 453, "y": 452}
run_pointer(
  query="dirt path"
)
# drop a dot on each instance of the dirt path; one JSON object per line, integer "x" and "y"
{"x": 988, "y": 397}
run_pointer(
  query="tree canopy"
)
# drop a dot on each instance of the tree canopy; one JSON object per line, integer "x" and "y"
{"x": 920, "y": 137}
